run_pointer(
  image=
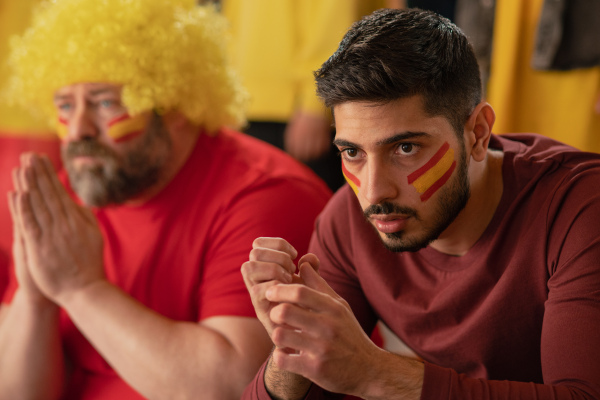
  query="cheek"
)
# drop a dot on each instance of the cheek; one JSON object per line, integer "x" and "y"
{"x": 434, "y": 173}
{"x": 126, "y": 127}
{"x": 62, "y": 128}
{"x": 352, "y": 180}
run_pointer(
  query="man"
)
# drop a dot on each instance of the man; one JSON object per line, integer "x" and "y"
{"x": 140, "y": 296}
{"x": 479, "y": 252}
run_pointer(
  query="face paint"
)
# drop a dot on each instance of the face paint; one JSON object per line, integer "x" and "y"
{"x": 120, "y": 129}
{"x": 125, "y": 127}
{"x": 62, "y": 130}
{"x": 351, "y": 179}
{"x": 435, "y": 173}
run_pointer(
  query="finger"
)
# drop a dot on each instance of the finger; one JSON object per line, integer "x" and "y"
{"x": 276, "y": 244}
{"x": 255, "y": 272}
{"x": 49, "y": 194}
{"x": 16, "y": 173}
{"x": 261, "y": 254}
{"x": 291, "y": 361}
{"x": 30, "y": 228}
{"x": 313, "y": 280}
{"x": 18, "y": 249}
{"x": 289, "y": 338}
{"x": 300, "y": 295}
{"x": 286, "y": 314}
{"x": 312, "y": 259}
{"x": 37, "y": 201}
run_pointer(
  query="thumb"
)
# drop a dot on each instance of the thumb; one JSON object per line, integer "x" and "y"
{"x": 314, "y": 281}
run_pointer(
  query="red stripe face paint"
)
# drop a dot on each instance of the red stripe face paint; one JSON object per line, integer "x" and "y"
{"x": 62, "y": 129}
{"x": 435, "y": 173}
{"x": 126, "y": 127}
{"x": 352, "y": 180}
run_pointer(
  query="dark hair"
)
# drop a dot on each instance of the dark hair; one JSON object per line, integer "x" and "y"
{"x": 393, "y": 54}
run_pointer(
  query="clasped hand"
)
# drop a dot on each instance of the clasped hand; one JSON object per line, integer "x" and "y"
{"x": 314, "y": 330}
{"x": 57, "y": 244}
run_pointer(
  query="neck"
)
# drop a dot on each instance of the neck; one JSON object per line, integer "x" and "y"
{"x": 486, "y": 191}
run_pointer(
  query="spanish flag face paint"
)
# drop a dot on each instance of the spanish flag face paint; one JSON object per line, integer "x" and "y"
{"x": 435, "y": 173}
{"x": 120, "y": 129}
{"x": 351, "y": 179}
{"x": 126, "y": 127}
{"x": 62, "y": 129}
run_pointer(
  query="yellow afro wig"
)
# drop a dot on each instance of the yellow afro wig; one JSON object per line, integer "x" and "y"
{"x": 167, "y": 55}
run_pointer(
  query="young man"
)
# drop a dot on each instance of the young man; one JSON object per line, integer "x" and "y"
{"x": 480, "y": 252}
{"x": 140, "y": 296}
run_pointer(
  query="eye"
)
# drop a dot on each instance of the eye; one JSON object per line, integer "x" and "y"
{"x": 106, "y": 103}
{"x": 64, "y": 106}
{"x": 407, "y": 148}
{"x": 349, "y": 153}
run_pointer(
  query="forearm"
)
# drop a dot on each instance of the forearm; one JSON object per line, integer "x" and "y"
{"x": 32, "y": 365}
{"x": 159, "y": 357}
{"x": 284, "y": 385}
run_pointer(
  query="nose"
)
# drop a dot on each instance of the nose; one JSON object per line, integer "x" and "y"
{"x": 380, "y": 182}
{"x": 82, "y": 125}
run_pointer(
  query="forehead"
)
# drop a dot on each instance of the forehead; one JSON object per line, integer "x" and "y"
{"x": 365, "y": 123}
{"x": 89, "y": 88}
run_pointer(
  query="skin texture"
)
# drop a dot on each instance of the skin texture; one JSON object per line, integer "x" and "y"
{"x": 317, "y": 337}
{"x": 58, "y": 255}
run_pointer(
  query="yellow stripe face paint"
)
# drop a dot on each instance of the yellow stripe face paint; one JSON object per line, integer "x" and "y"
{"x": 351, "y": 179}
{"x": 435, "y": 173}
{"x": 125, "y": 127}
{"x": 62, "y": 129}
{"x": 120, "y": 129}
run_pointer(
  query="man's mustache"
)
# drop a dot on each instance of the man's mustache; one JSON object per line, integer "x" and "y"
{"x": 88, "y": 148}
{"x": 388, "y": 208}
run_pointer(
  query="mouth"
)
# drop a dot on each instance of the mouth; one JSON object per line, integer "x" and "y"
{"x": 389, "y": 223}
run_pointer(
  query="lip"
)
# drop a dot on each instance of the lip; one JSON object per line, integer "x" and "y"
{"x": 389, "y": 223}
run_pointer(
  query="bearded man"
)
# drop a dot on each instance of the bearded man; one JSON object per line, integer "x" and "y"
{"x": 479, "y": 252}
{"x": 126, "y": 279}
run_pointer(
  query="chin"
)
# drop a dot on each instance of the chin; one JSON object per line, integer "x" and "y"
{"x": 399, "y": 242}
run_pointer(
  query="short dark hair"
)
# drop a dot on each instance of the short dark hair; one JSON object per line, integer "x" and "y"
{"x": 393, "y": 54}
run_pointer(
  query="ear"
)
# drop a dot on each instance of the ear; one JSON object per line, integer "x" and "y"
{"x": 478, "y": 130}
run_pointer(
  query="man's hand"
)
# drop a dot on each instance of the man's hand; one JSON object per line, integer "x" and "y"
{"x": 271, "y": 263}
{"x": 307, "y": 136}
{"x": 26, "y": 283}
{"x": 329, "y": 346}
{"x": 63, "y": 245}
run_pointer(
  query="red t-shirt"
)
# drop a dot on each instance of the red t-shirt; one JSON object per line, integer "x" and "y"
{"x": 518, "y": 316}
{"x": 180, "y": 253}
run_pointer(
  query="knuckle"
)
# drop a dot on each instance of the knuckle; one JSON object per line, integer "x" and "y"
{"x": 255, "y": 291}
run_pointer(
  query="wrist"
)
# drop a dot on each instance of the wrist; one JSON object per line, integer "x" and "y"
{"x": 83, "y": 294}
{"x": 35, "y": 302}
{"x": 393, "y": 376}
{"x": 284, "y": 385}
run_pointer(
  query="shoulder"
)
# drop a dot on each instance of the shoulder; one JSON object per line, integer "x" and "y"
{"x": 536, "y": 162}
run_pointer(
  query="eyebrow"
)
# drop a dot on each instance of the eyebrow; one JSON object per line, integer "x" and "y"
{"x": 93, "y": 93}
{"x": 101, "y": 91}
{"x": 390, "y": 140}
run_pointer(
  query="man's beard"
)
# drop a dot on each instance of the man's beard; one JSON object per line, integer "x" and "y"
{"x": 452, "y": 200}
{"x": 118, "y": 178}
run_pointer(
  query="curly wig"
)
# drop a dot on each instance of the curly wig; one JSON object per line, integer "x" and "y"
{"x": 167, "y": 55}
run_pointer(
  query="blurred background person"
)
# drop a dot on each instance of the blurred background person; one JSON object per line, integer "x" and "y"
{"x": 276, "y": 46}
